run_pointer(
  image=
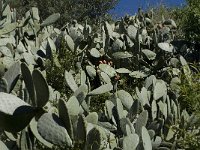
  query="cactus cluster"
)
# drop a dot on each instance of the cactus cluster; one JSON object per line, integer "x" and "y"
{"x": 135, "y": 48}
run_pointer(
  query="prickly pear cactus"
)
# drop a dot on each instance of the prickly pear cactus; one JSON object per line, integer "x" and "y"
{"x": 70, "y": 81}
{"x": 141, "y": 121}
{"x": 12, "y": 75}
{"x": 130, "y": 142}
{"x": 112, "y": 66}
{"x": 160, "y": 89}
{"x": 41, "y": 88}
{"x": 3, "y": 146}
{"x": 3, "y": 85}
{"x": 146, "y": 139}
{"x": 51, "y": 19}
{"x": 81, "y": 130}
{"x": 29, "y": 83}
{"x": 96, "y": 139}
{"x": 34, "y": 130}
{"x": 14, "y": 111}
{"x": 51, "y": 128}
{"x": 126, "y": 98}
{"x": 65, "y": 117}
{"x": 102, "y": 89}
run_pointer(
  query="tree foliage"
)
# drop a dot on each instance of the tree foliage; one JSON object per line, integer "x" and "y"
{"x": 190, "y": 23}
{"x": 92, "y": 10}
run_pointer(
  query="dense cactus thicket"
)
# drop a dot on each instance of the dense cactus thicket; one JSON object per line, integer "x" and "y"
{"x": 133, "y": 66}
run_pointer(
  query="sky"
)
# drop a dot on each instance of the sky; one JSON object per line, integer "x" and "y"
{"x": 130, "y": 6}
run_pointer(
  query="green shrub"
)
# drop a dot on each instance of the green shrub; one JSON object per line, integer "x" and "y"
{"x": 189, "y": 93}
{"x": 190, "y": 20}
{"x": 55, "y": 74}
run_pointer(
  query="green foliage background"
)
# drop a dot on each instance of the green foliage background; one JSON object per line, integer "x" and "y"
{"x": 81, "y": 10}
{"x": 191, "y": 20}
